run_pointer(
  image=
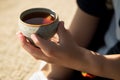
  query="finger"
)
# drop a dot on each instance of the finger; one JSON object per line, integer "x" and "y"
{"x": 21, "y": 38}
{"x": 35, "y": 52}
{"x": 64, "y": 35}
{"x": 55, "y": 39}
{"x": 47, "y": 46}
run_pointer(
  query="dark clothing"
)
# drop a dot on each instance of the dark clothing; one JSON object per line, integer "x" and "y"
{"x": 93, "y": 7}
{"x": 96, "y": 8}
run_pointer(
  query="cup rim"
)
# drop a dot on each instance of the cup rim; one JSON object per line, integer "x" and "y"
{"x": 25, "y": 12}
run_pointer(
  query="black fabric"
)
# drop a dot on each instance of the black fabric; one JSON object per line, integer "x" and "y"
{"x": 99, "y": 9}
{"x": 103, "y": 25}
{"x": 93, "y": 7}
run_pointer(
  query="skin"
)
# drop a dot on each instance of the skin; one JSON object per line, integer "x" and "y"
{"x": 69, "y": 54}
{"x": 83, "y": 27}
{"x": 69, "y": 51}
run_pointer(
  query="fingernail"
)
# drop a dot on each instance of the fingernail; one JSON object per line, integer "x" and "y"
{"x": 34, "y": 37}
{"x": 19, "y": 36}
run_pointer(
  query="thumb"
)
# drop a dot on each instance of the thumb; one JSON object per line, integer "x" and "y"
{"x": 62, "y": 33}
{"x": 61, "y": 28}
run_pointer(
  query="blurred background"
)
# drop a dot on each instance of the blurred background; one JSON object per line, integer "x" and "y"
{"x": 15, "y": 62}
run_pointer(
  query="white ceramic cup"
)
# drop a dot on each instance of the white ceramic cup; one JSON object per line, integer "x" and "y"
{"x": 45, "y": 31}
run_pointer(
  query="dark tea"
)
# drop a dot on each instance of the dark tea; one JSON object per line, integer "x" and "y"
{"x": 37, "y": 18}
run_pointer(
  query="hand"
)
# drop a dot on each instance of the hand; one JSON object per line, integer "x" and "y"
{"x": 64, "y": 52}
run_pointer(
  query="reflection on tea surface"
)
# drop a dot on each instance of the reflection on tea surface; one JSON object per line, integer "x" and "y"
{"x": 38, "y": 18}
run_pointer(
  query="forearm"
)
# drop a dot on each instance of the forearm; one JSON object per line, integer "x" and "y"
{"x": 83, "y": 27}
{"x": 81, "y": 32}
{"x": 112, "y": 66}
{"x": 100, "y": 65}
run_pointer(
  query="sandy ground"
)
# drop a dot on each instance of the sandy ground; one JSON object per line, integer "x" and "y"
{"x": 16, "y": 63}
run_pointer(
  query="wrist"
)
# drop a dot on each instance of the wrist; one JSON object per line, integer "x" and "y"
{"x": 83, "y": 59}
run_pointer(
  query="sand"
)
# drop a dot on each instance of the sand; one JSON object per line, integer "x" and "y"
{"x": 15, "y": 62}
